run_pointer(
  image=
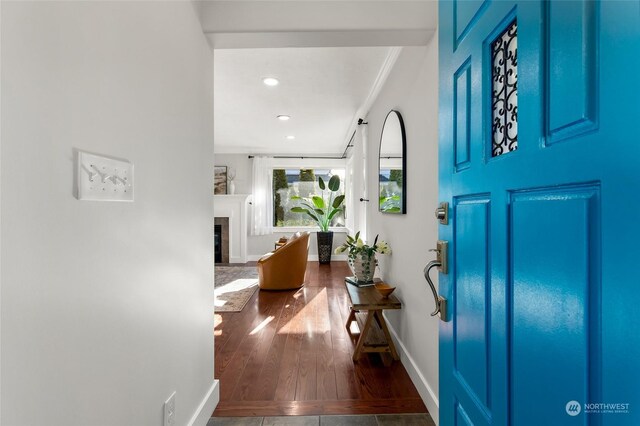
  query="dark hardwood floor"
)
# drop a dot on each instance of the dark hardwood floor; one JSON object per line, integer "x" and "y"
{"x": 289, "y": 353}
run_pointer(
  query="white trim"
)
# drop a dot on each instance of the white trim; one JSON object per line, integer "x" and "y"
{"x": 363, "y": 211}
{"x": 207, "y": 406}
{"x": 232, "y": 196}
{"x": 235, "y": 208}
{"x": 0, "y": 194}
{"x": 378, "y": 84}
{"x": 350, "y": 38}
{"x": 310, "y": 258}
{"x": 381, "y": 78}
{"x": 427, "y": 394}
{"x": 312, "y": 229}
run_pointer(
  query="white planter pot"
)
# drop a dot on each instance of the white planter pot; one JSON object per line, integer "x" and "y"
{"x": 363, "y": 267}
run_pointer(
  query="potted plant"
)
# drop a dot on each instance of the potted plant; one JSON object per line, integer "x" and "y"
{"x": 322, "y": 210}
{"x": 362, "y": 257}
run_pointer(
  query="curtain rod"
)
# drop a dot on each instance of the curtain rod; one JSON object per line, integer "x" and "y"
{"x": 344, "y": 154}
{"x": 303, "y": 157}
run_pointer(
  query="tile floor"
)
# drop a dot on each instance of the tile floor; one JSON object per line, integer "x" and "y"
{"x": 369, "y": 420}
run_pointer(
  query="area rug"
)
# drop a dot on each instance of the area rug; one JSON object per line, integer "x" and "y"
{"x": 234, "y": 286}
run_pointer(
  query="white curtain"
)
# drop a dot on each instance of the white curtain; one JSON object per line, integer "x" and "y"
{"x": 362, "y": 216}
{"x": 262, "y": 219}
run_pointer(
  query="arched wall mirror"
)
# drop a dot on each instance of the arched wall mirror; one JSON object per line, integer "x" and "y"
{"x": 392, "y": 165}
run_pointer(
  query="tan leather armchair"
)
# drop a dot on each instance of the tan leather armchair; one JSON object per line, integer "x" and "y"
{"x": 284, "y": 268}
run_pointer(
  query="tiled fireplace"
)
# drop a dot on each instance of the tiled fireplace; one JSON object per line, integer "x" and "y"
{"x": 221, "y": 239}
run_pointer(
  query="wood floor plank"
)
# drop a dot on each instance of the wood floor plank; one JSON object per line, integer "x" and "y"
{"x": 346, "y": 384}
{"x": 264, "y": 334}
{"x": 232, "y": 320}
{"x": 319, "y": 407}
{"x": 236, "y": 327}
{"x": 325, "y": 367}
{"x": 306, "y": 383}
{"x": 264, "y": 388}
{"x": 232, "y": 373}
{"x": 299, "y": 362}
{"x": 288, "y": 373}
{"x": 346, "y": 381}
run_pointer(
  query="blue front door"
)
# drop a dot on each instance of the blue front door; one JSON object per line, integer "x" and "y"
{"x": 539, "y": 157}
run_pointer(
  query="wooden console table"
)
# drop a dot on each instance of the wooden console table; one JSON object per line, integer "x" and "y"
{"x": 366, "y": 309}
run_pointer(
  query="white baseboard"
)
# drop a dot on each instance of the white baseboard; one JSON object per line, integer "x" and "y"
{"x": 311, "y": 258}
{"x": 205, "y": 409}
{"x": 427, "y": 394}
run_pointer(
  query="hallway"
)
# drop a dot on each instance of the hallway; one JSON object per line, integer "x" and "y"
{"x": 289, "y": 353}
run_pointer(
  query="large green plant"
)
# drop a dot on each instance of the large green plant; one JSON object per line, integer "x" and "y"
{"x": 319, "y": 208}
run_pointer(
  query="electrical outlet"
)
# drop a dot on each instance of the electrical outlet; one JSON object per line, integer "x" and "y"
{"x": 170, "y": 411}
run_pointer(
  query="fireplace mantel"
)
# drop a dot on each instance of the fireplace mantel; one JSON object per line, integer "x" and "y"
{"x": 235, "y": 207}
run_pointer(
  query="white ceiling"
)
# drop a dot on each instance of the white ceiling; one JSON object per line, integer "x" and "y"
{"x": 321, "y": 88}
{"x": 313, "y": 23}
{"x": 331, "y": 58}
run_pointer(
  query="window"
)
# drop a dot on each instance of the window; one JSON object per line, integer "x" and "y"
{"x": 504, "y": 100}
{"x": 304, "y": 183}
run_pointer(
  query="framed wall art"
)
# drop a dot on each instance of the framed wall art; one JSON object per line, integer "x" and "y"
{"x": 219, "y": 180}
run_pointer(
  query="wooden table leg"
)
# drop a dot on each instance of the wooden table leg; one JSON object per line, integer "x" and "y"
{"x": 363, "y": 335}
{"x": 350, "y": 319}
{"x": 383, "y": 325}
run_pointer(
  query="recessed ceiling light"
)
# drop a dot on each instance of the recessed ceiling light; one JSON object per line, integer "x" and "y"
{"x": 270, "y": 81}
{"x": 284, "y": 117}
{"x": 291, "y": 137}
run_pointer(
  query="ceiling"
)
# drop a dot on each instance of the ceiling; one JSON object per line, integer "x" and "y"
{"x": 321, "y": 88}
{"x": 331, "y": 58}
{"x": 313, "y": 23}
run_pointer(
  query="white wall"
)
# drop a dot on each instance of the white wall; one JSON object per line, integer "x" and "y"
{"x": 106, "y": 307}
{"x": 258, "y": 245}
{"x": 242, "y": 166}
{"x": 412, "y": 89}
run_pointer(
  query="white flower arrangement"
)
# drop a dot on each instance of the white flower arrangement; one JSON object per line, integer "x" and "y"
{"x": 356, "y": 246}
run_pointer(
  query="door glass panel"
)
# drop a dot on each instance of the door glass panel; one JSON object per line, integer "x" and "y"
{"x": 504, "y": 91}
